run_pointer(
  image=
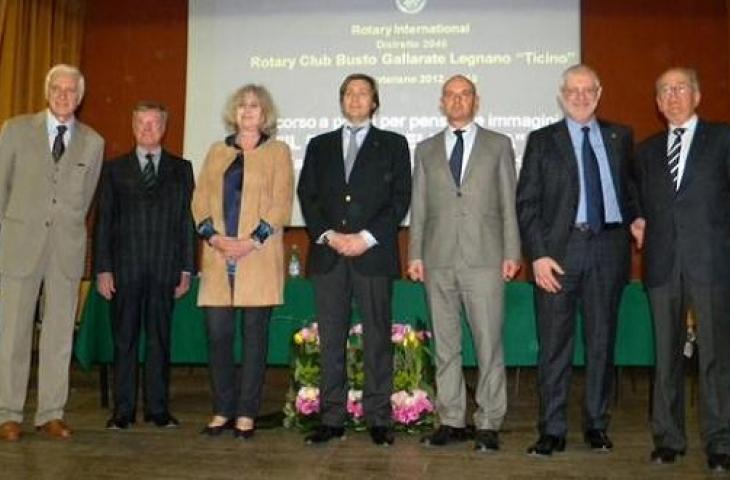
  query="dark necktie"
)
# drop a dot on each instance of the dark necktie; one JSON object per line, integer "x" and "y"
{"x": 58, "y": 146}
{"x": 148, "y": 173}
{"x": 673, "y": 156}
{"x": 457, "y": 157}
{"x": 352, "y": 149}
{"x": 595, "y": 216}
{"x": 232, "y": 185}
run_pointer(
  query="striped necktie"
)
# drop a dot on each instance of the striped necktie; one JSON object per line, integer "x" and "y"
{"x": 673, "y": 156}
{"x": 148, "y": 173}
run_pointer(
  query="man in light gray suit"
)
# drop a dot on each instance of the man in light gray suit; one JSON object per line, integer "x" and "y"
{"x": 464, "y": 244}
{"x": 49, "y": 166}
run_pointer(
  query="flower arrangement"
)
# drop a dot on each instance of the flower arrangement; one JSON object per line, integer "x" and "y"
{"x": 411, "y": 401}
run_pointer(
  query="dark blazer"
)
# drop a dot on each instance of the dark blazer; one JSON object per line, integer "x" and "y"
{"x": 548, "y": 187}
{"x": 142, "y": 232}
{"x": 375, "y": 199}
{"x": 694, "y": 219}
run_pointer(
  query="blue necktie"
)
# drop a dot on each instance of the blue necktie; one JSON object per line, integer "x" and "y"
{"x": 595, "y": 215}
{"x": 457, "y": 157}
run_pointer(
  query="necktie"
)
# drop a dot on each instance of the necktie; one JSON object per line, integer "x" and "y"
{"x": 148, "y": 173}
{"x": 595, "y": 215}
{"x": 58, "y": 146}
{"x": 673, "y": 156}
{"x": 457, "y": 157}
{"x": 351, "y": 151}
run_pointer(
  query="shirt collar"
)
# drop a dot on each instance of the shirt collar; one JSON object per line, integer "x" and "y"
{"x": 52, "y": 123}
{"x": 576, "y": 127}
{"x": 690, "y": 124}
{"x": 466, "y": 129}
{"x": 364, "y": 125}
{"x": 141, "y": 152}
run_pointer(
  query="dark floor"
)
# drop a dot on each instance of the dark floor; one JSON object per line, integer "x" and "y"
{"x": 145, "y": 452}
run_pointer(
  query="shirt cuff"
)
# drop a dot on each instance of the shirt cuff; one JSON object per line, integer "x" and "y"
{"x": 320, "y": 240}
{"x": 369, "y": 239}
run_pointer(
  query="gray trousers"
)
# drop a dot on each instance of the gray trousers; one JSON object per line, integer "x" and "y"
{"x": 711, "y": 305}
{"x": 18, "y": 296}
{"x": 481, "y": 292}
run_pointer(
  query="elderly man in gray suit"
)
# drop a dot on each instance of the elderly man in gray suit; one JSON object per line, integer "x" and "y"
{"x": 464, "y": 244}
{"x": 49, "y": 166}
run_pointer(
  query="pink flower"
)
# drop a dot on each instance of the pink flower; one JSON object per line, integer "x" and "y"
{"x": 399, "y": 332}
{"x": 356, "y": 329}
{"x": 307, "y": 402}
{"x": 354, "y": 404}
{"x": 410, "y": 407}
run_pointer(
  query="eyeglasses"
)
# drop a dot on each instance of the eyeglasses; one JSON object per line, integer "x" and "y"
{"x": 679, "y": 89}
{"x": 580, "y": 92}
{"x": 56, "y": 91}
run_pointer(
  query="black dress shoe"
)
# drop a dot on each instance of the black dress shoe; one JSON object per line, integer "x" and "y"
{"x": 718, "y": 462}
{"x": 486, "y": 440}
{"x": 444, "y": 435}
{"x": 662, "y": 455}
{"x": 118, "y": 423}
{"x": 382, "y": 436}
{"x": 324, "y": 434}
{"x": 598, "y": 440}
{"x": 214, "y": 431}
{"x": 243, "y": 434}
{"x": 546, "y": 445}
{"x": 162, "y": 420}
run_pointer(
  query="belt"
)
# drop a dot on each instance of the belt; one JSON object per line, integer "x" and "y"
{"x": 585, "y": 228}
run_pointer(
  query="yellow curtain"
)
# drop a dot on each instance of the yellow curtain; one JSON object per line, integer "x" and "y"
{"x": 34, "y": 36}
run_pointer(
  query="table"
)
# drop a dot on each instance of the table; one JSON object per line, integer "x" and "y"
{"x": 634, "y": 343}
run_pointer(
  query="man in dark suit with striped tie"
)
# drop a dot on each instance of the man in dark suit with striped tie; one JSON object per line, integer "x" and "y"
{"x": 143, "y": 261}
{"x": 575, "y": 202}
{"x": 685, "y": 200}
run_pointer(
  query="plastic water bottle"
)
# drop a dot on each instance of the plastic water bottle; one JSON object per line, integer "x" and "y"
{"x": 295, "y": 262}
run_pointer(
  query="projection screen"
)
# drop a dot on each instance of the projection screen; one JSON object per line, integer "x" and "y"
{"x": 514, "y": 50}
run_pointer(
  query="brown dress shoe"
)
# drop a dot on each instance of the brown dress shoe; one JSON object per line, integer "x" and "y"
{"x": 10, "y": 431}
{"x": 55, "y": 428}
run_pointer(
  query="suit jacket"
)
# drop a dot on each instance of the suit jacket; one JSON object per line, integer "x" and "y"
{"x": 142, "y": 232}
{"x": 375, "y": 199}
{"x": 548, "y": 189}
{"x": 42, "y": 202}
{"x": 476, "y": 222}
{"x": 268, "y": 180}
{"x": 693, "y": 221}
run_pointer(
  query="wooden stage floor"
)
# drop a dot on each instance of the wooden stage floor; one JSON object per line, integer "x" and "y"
{"x": 145, "y": 452}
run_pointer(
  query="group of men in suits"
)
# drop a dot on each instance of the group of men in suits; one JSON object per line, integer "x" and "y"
{"x": 50, "y": 164}
{"x": 581, "y": 195}
{"x": 579, "y": 201}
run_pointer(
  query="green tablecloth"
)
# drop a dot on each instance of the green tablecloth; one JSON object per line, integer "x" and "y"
{"x": 634, "y": 345}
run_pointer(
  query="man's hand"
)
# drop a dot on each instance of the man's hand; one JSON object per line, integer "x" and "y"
{"x": 510, "y": 269}
{"x": 638, "y": 227}
{"x": 105, "y": 285}
{"x": 544, "y": 269}
{"x": 416, "y": 271}
{"x": 354, "y": 245}
{"x": 184, "y": 285}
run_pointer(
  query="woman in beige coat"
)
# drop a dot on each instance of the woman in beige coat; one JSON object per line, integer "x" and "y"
{"x": 242, "y": 200}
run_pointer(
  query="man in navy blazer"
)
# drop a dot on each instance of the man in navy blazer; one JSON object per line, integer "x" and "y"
{"x": 354, "y": 190}
{"x": 143, "y": 260}
{"x": 575, "y": 201}
{"x": 685, "y": 199}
